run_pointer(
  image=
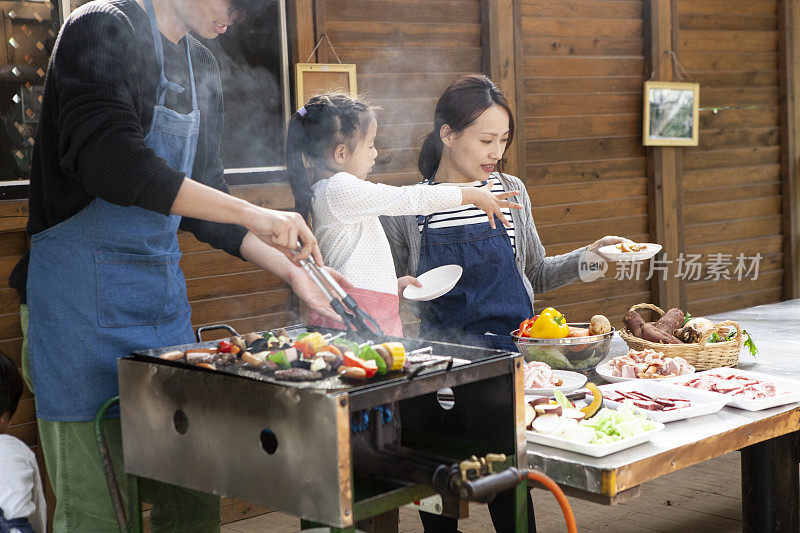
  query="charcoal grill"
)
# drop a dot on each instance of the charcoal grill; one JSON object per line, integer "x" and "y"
{"x": 330, "y": 452}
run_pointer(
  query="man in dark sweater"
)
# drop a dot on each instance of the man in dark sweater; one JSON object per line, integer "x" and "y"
{"x": 132, "y": 109}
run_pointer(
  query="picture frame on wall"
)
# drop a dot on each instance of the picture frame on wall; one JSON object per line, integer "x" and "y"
{"x": 671, "y": 113}
{"x": 317, "y": 78}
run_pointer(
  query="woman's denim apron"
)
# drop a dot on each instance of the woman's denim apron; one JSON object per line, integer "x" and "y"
{"x": 489, "y": 297}
{"x": 108, "y": 281}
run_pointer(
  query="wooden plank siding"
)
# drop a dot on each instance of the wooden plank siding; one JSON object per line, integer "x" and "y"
{"x": 731, "y": 183}
{"x": 585, "y": 165}
{"x": 406, "y": 54}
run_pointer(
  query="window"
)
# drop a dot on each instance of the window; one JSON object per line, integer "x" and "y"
{"x": 28, "y": 36}
{"x": 253, "y": 60}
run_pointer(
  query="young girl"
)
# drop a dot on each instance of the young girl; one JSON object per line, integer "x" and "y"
{"x": 332, "y": 138}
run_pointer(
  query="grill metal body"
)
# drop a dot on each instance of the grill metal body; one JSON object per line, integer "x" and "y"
{"x": 289, "y": 446}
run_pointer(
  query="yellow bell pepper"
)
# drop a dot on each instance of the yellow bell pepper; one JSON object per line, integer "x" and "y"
{"x": 550, "y": 325}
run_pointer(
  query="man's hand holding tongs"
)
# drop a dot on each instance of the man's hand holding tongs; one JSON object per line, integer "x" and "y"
{"x": 307, "y": 290}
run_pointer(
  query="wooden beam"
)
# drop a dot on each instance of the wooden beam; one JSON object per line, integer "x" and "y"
{"x": 323, "y": 54}
{"x": 664, "y": 162}
{"x": 301, "y": 29}
{"x": 789, "y": 61}
{"x": 499, "y": 53}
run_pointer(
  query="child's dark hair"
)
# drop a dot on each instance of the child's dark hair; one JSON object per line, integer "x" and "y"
{"x": 458, "y": 107}
{"x": 10, "y": 386}
{"x": 325, "y": 122}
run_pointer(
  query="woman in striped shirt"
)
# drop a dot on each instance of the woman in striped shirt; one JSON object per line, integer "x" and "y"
{"x": 473, "y": 126}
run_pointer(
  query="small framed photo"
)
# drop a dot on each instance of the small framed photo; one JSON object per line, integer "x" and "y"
{"x": 317, "y": 78}
{"x": 671, "y": 113}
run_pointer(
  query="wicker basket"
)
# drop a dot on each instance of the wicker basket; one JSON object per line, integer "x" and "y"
{"x": 701, "y": 355}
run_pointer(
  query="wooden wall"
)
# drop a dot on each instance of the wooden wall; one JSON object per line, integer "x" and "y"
{"x": 731, "y": 183}
{"x": 581, "y": 107}
{"x": 406, "y": 54}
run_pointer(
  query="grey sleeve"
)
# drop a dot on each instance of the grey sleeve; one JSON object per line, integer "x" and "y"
{"x": 393, "y": 226}
{"x": 545, "y": 273}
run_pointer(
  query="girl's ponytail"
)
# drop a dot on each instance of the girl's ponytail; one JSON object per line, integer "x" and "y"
{"x": 298, "y": 173}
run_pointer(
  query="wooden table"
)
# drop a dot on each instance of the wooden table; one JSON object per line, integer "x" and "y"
{"x": 768, "y": 439}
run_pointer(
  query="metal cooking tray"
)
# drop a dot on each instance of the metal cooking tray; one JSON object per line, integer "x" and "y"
{"x": 421, "y": 365}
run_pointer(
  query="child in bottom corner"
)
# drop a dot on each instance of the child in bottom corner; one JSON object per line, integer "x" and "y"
{"x": 22, "y": 504}
{"x": 332, "y": 140}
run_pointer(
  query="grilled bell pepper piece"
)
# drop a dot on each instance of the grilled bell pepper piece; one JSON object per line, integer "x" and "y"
{"x": 550, "y": 325}
{"x": 351, "y": 359}
{"x": 346, "y": 345}
{"x": 224, "y": 347}
{"x": 283, "y": 358}
{"x": 368, "y": 353}
{"x": 398, "y": 353}
{"x": 279, "y": 358}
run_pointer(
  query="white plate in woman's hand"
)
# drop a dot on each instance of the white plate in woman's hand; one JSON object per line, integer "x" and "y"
{"x": 435, "y": 282}
{"x": 612, "y": 252}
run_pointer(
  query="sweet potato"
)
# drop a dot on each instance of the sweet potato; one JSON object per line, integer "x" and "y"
{"x": 672, "y": 320}
{"x": 634, "y": 322}
{"x": 651, "y": 332}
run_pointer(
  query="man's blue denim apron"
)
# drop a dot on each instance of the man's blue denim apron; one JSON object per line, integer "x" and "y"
{"x": 489, "y": 297}
{"x": 21, "y": 524}
{"x": 107, "y": 280}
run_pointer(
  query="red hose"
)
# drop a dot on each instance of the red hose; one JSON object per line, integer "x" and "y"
{"x": 533, "y": 475}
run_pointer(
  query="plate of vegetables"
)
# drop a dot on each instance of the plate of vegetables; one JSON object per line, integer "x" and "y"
{"x": 600, "y": 431}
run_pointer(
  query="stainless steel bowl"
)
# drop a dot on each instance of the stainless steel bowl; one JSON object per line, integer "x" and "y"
{"x": 580, "y": 354}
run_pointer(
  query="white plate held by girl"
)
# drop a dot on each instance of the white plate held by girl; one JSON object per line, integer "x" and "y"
{"x": 435, "y": 282}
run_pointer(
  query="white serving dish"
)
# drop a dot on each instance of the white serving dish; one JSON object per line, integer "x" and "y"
{"x": 435, "y": 282}
{"x": 703, "y": 402}
{"x": 788, "y": 389}
{"x": 595, "y": 450}
{"x": 604, "y": 371}
{"x": 569, "y": 382}
{"x": 612, "y": 253}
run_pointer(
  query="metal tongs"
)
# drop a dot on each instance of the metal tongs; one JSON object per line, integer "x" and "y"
{"x": 354, "y": 318}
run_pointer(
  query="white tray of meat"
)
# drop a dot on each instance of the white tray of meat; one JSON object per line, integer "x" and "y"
{"x": 744, "y": 389}
{"x": 541, "y": 379}
{"x": 663, "y": 403}
{"x": 643, "y": 364}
